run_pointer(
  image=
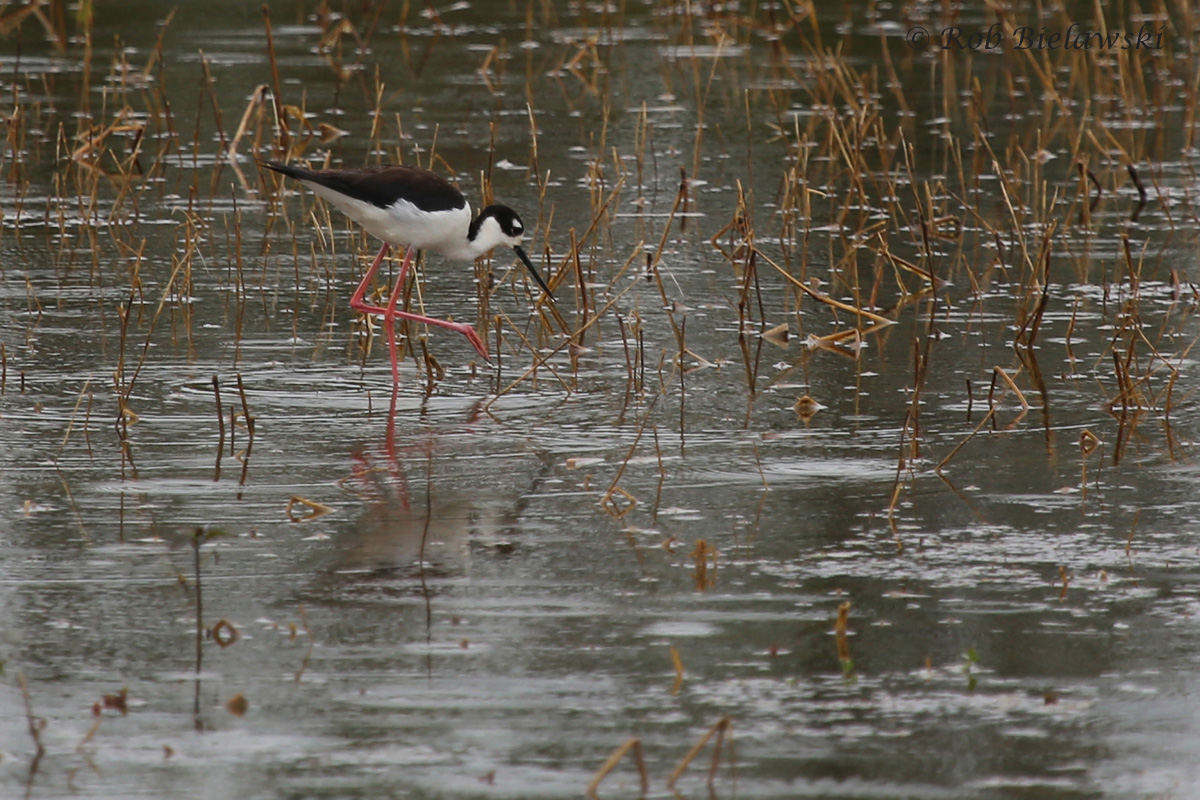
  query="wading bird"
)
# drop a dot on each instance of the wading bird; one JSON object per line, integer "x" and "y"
{"x": 413, "y": 207}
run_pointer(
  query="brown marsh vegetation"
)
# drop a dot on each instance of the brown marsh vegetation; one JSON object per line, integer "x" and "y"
{"x": 823, "y": 299}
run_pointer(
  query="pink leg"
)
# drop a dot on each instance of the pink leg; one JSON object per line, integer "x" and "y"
{"x": 390, "y": 314}
{"x": 359, "y": 304}
{"x": 460, "y": 327}
{"x": 356, "y": 300}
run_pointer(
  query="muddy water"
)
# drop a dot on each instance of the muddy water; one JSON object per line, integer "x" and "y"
{"x": 450, "y": 599}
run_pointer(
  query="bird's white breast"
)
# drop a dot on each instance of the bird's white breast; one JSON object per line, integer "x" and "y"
{"x": 402, "y": 223}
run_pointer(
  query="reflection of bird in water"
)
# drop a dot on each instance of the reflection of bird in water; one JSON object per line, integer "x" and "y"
{"x": 418, "y": 529}
{"x": 393, "y": 536}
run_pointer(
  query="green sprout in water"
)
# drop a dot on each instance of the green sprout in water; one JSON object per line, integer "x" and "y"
{"x": 970, "y": 659}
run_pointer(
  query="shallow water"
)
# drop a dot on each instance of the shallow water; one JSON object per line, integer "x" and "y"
{"x": 466, "y": 609}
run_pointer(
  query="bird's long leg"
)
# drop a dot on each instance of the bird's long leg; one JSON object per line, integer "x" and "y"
{"x": 392, "y": 314}
{"x": 356, "y": 300}
{"x": 359, "y": 304}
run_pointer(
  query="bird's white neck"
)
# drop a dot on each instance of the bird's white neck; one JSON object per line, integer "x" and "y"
{"x": 487, "y": 236}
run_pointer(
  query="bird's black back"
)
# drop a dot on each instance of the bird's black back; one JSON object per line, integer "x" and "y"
{"x": 382, "y": 186}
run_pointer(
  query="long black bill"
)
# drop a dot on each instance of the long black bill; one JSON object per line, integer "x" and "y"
{"x": 529, "y": 266}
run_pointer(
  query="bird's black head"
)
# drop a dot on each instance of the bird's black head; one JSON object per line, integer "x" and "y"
{"x": 508, "y": 220}
{"x": 499, "y": 224}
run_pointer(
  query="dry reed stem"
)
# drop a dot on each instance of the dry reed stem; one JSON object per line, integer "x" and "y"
{"x": 718, "y": 729}
{"x": 35, "y": 726}
{"x": 315, "y": 509}
{"x": 632, "y": 744}
{"x": 677, "y": 665}
{"x": 822, "y": 298}
{"x": 946, "y": 460}
{"x": 257, "y": 98}
{"x": 606, "y": 501}
{"x": 542, "y": 359}
{"x": 840, "y": 630}
{"x": 74, "y": 412}
{"x": 311, "y": 643}
{"x": 1004, "y": 376}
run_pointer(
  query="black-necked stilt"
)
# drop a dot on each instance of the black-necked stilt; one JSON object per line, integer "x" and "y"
{"x": 415, "y": 207}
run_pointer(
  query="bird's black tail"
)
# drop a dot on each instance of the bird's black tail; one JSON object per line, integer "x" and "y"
{"x": 284, "y": 169}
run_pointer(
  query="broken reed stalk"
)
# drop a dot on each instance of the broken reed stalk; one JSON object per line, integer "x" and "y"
{"x": 680, "y": 195}
{"x": 949, "y": 456}
{"x": 257, "y": 98}
{"x": 541, "y": 359}
{"x": 704, "y": 556}
{"x": 840, "y": 630}
{"x": 35, "y": 726}
{"x": 197, "y": 540}
{"x": 581, "y": 288}
{"x": 719, "y": 729}
{"x": 276, "y": 93}
{"x": 503, "y": 317}
{"x": 829, "y": 301}
{"x": 220, "y": 427}
{"x": 606, "y": 501}
{"x": 311, "y": 643}
{"x": 246, "y": 415}
{"x": 682, "y": 389}
{"x": 633, "y": 745}
{"x": 677, "y": 665}
{"x": 220, "y": 414}
{"x": 243, "y": 456}
{"x": 211, "y": 92}
{"x": 74, "y": 413}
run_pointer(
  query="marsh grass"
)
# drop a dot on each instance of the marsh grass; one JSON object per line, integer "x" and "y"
{"x": 876, "y": 216}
